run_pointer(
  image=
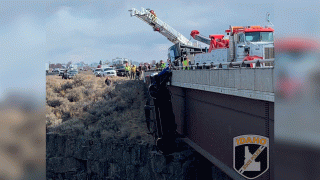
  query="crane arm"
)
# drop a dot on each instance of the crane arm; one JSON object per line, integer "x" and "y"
{"x": 196, "y": 35}
{"x": 163, "y": 28}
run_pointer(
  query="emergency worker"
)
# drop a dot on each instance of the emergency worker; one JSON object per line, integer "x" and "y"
{"x": 127, "y": 68}
{"x": 185, "y": 63}
{"x": 133, "y": 71}
{"x": 162, "y": 65}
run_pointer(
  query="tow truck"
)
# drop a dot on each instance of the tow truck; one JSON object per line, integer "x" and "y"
{"x": 245, "y": 43}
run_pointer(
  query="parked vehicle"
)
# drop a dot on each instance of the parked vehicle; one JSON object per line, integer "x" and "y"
{"x": 73, "y": 67}
{"x": 109, "y": 71}
{"x": 97, "y": 72}
{"x": 69, "y": 74}
{"x": 121, "y": 71}
{"x": 56, "y": 70}
{"x": 61, "y": 71}
{"x": 119, "y": 65}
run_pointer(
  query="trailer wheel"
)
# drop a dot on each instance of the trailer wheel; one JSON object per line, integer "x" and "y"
{"x": 153, "y": 91}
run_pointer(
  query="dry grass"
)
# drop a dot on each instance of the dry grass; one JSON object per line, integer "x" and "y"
{"x": 86, "y": 106}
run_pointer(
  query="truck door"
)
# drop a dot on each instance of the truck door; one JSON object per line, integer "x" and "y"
{"x": 239, "y": 46}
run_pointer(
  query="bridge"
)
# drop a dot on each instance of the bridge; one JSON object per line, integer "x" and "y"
{"x": 212, "y": 106}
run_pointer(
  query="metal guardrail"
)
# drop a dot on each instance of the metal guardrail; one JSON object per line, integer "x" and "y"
{"x": 219, "y": 65}
{"x": 230, "y": 64}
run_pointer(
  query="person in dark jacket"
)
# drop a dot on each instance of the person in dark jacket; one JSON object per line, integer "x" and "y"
{"x": 108, "y": 81}
{"x": 140, "y": 71}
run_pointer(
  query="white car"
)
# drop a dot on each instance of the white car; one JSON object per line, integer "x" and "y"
{"x": 55, "y": 70}
{"x": 109, "y": 71}
{"x": 61, "y": 71}
{"x": 97, "y": 72}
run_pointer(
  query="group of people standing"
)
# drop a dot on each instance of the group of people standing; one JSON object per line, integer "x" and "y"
{"x": 160, "y": 66}
{"x": 134, "y": 72}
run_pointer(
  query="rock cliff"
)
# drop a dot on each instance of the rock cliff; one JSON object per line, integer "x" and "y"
{"x": 97, "y": 158}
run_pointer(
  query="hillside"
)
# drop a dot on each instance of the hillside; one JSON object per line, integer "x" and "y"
{"x": 86, "y": 106}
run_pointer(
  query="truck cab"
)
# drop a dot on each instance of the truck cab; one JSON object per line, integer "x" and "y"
{"x": 254, "y": 41}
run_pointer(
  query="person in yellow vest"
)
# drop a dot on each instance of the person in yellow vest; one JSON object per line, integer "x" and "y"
{"x": 185, "y": 63}
{"x": 127, "y": 68}
{"x": 162, "y": 65}
{"x": 133, "y": 71}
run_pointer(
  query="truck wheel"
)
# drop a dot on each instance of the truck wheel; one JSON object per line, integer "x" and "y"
{"x": 153, "y": 91}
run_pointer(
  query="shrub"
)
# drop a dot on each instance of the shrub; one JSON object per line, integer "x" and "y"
{"x": 86, "y": 106}
{"x": 65, "y": 86}
{"x": 78, "y": 80}
{"x": 54, "y": 102}
{"x": 76, "y": 94}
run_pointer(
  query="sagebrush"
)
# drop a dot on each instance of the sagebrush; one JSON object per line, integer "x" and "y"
{"x": 86, "y": 106}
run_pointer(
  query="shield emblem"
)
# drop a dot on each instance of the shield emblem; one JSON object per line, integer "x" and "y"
{"x": 251, "y": 155}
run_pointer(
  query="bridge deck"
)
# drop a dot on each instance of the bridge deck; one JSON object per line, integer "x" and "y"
{"x": 244, "y": 82}
{"x": 211, "y": 107}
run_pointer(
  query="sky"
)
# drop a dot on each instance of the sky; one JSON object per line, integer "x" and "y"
{"x": 103, "y": 30}
{"x": 96, "y": 31}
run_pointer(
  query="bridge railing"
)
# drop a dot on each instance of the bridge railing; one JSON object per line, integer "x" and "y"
{"x": 229, "y": 64}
